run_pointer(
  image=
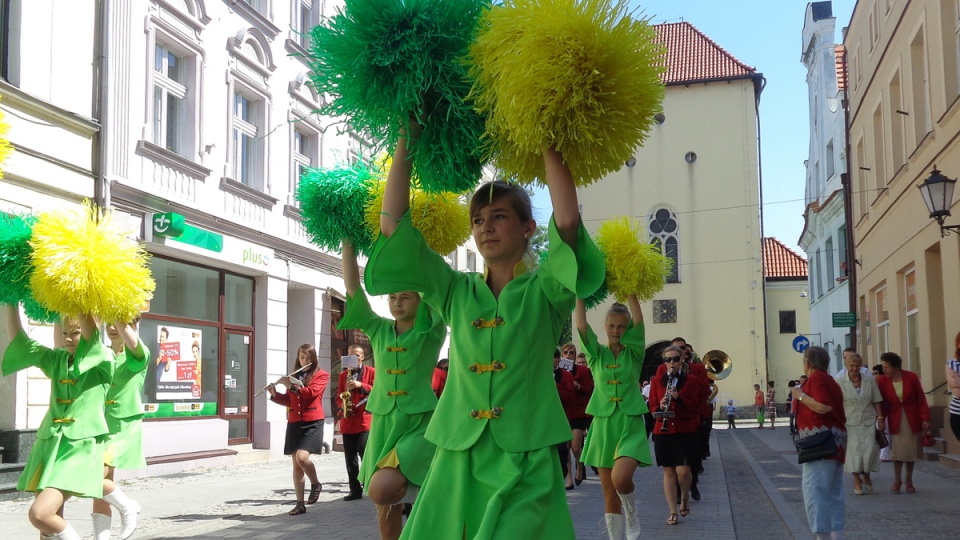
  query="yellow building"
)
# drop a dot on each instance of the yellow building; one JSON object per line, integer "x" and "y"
{"x": 904, "y": 118}
{"x": 788, "y": 313}
{"x": 695, "y": 185}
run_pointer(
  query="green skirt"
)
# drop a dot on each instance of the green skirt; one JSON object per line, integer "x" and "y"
{"x": 614, "y": 436}
{"x": 486, "y": 493}
{"x": 72, "y": 466}
{"x": 124, "y": 444}
{"x": 397, "y": 440}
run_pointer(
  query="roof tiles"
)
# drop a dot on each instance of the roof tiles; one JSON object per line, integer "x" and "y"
{"x": 779, "y": 261}
{"x": 693, "y": 57}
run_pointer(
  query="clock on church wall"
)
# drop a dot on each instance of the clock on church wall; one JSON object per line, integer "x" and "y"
{"x": 664, "y": 311}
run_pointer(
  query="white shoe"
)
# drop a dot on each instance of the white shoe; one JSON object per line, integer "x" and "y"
{"x": 66, "y": 534}
{"x": 128, "y": 509}
{"x": 101, "y": 526}
{"x": 615, "y": 526}
{"x": 630, "y": 515}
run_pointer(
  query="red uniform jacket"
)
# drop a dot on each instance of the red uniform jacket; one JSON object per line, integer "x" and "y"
{"x": 700, "y": 371}
{"x": 686, "y": 406}
{"x": 914, "y": 403}
{"x": 564, "y": 380}
{"x": 576, "y": 406}
{"x": 305, "y": 403}
{"x": 439, "y": 381}
{"x": 359, "y": 419}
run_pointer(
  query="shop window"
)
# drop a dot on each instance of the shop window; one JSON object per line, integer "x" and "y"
{"x": 238, "y": 300}
{"x": 184, "y": 369}
{"x": 185, "y": 291}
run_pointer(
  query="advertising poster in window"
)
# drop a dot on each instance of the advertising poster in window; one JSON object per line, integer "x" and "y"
{"x": 179, "y": 364}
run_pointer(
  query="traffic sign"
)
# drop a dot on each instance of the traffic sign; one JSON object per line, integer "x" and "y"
{"x": 800, "y": 343}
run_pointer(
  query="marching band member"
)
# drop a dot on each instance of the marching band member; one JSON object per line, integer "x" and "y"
{"x": 576, "y": 409}
{"x": 675, "y": 397}
{"x": 304, "y": 402}
{"x": 402, "y": 402}
{"x": 354, "y": 418}
{"x": 617, "y": 441}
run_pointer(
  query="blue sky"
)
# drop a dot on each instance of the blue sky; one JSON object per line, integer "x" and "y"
{"x": 765, "y": 34}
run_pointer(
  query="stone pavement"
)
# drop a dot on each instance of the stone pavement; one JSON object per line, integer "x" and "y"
{"x": 751, "y": 490}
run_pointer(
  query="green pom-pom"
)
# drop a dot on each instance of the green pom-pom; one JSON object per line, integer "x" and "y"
{"x": 598, "y": 297}
{"x": 36, "y": 312}
{"x": 332, "y": 202}
{"x": 583, "y": 75}
{"x": 384, "y": 60}
{"x": 15, "y": 251}
{"x": 633, "y": 266}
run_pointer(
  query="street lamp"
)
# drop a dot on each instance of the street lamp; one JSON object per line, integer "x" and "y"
{"x": 937, "y": 191}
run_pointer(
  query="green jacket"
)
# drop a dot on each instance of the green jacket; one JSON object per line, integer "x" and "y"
{"x": 404, "y": 363}
{"x": 77, "y": 391}
{"x": 501, "y": 369}
{"x": 124, "y": 396}
{"x": 616, "y": 380}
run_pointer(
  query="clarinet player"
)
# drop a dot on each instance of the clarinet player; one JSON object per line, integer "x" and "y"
{"x": 675, "y": 399}
{"x": 355, "y": 384}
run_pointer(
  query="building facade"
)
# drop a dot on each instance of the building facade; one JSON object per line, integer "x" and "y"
{"x": 788, "y": 313}
{"x": 694, "y": 185}
{"x": 824, "y": 237}
{"x": 904, "y": 117}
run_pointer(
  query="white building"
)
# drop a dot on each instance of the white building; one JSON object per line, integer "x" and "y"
{"x": 824, "y": 237}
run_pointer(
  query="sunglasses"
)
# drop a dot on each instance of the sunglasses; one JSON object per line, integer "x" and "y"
{"x": 671, "y": 359}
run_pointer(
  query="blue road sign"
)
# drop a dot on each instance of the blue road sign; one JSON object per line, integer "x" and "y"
{"x": 800, "y": 343}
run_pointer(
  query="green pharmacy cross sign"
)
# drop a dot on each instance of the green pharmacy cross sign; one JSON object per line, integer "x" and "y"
{"x": 173, "y": 225}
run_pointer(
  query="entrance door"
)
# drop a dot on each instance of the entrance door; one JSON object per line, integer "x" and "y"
{"x": 235, "y": 395}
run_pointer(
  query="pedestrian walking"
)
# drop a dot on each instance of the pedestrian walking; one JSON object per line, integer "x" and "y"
{"x": 771, "y": 403}
{"x": 731, "y": 415}
{"x": 354, "y": 385}
{"x": 908, "y": 415}
{"x": 953, "y": 383}
{"x": 861, "y": 406}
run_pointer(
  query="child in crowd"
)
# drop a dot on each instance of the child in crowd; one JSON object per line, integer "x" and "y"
{"x": 731, "y": 415}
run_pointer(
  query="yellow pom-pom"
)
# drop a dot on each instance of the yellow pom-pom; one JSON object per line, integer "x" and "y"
{"x": 633, "y": 266}
{"x": 582, "y": 75}
{"x": 5, "y": 148}
{"x": 84, "y": 263}
{"x": 442, "y": 218}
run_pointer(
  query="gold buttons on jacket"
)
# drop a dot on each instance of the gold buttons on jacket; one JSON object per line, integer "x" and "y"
{"x": 483, "y": 368}
{"x": 613, "y": 381}
{"x": 64, "y": 401}
{"x": 483, "y": 323}
{"x": 616, "y": 399}
{"x": 64, "y": 420}
{"x": 613, "y": 366}
{"x": 68, "y": 381}
{"x": 396, "y": 349}
{"x": 111, "y": 402}
{"x": 397, "y": 393}
{"x": 492, "y": 414}
{"x": 396, "y": 372}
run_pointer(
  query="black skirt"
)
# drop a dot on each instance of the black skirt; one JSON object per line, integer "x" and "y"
{"x": 304, "y": 436}
{"x": 580, "y": 423}
{"x": 675, "y": 449}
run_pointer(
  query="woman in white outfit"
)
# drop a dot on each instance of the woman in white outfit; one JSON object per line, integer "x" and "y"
{"x": 861, "y": 404}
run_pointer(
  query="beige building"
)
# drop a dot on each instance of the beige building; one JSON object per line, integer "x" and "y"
{"x": 695, "y": 185}
{"x": 788, "y": 313}
{"x": 904, "y": 118}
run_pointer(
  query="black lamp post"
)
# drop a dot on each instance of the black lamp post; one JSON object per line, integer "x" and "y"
{"x": 937, "y": 191}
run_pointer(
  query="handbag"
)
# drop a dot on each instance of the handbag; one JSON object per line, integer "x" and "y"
{"x": 927, "y": 439}
{"x": 817, "y": 446}
{"x": 882, "y": 441}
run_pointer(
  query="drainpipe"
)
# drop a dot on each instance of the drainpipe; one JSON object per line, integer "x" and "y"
{"x": 101, "y": 188}
{"x": 760, "y": 82}
{"x": 848, "y": 206}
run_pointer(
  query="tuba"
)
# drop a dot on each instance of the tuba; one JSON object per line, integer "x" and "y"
{"x": 718, "y": 365}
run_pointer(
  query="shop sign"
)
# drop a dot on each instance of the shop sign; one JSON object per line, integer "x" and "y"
{"x": 844, "y": 319}
{"x": 168, "y": 224}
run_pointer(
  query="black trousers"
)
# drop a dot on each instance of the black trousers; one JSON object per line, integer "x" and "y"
{"x": 354, "y": 444}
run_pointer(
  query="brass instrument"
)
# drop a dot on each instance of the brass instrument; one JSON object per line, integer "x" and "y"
{"x": 666, "y": 414}
{"x": 267, "y": 387}
{"x": 346, "y": 397}
{"x": 718, "y": 365}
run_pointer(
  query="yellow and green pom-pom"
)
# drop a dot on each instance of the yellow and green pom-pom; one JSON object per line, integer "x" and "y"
{"x": 16, "y": 266}
{"x": 633, "y": 266}
{"x": 5, "y": 147}
{"x": 84, "y": 263}
{"x": 332, "y": 202}
{"x": 583, "y": 75}
{"x": 442, "y": 218}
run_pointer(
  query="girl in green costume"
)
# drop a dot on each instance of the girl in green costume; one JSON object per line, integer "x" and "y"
{"x": 499, "y": 419}
{"x": 617, "y": 440}
{"x": 67, "y": 458}
{"x": 124, "y": 444}
{"x": 402, "y": 401}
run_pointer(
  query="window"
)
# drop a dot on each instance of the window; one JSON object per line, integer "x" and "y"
{"x": 897, "y": 116}
{"x": 664, "y": 231}
{"x": 305, "y": 17}
{"x": 879, "y": 155}
{"x": 471, "y": 261}
{"x": 304, "y": 156}
{"x": 920, "y": 87}
{"x": 831, "y": 271}
{"x": 246, "y": 142}
{"x": 819, "y": 261}
{"x": 788, "y": 322}
{"x": 452, "y": 259}
{"x": 259, "y": 5}
{"x": 883, "y": 323}
{"x": 829, "y": 160}
{"x": 842, "y": 250}
{"x": 862, "y": 180}
{"x": 169, "y": 100}
{"x": 9, "y": 33}
{"x": 912, "y": 357}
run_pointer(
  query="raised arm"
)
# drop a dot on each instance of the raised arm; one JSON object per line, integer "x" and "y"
{"x": 131, "y": 339}
{"x": 87, "y": 326}
{"x": 396, "y": 196}
{"x": 635, "y": 310}
{"x": 14, "y": 324}
{"x": 351, "y": 271}
{"x": 580, "y": 317}
{"x": 563, "y": 196}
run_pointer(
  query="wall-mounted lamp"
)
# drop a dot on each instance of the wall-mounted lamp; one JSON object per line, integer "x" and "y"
{"x": 803, "y": 294}
{"x": 690, "y": 157}
{"x": 937, "y": 192}
{"x": 631, "y": 162}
